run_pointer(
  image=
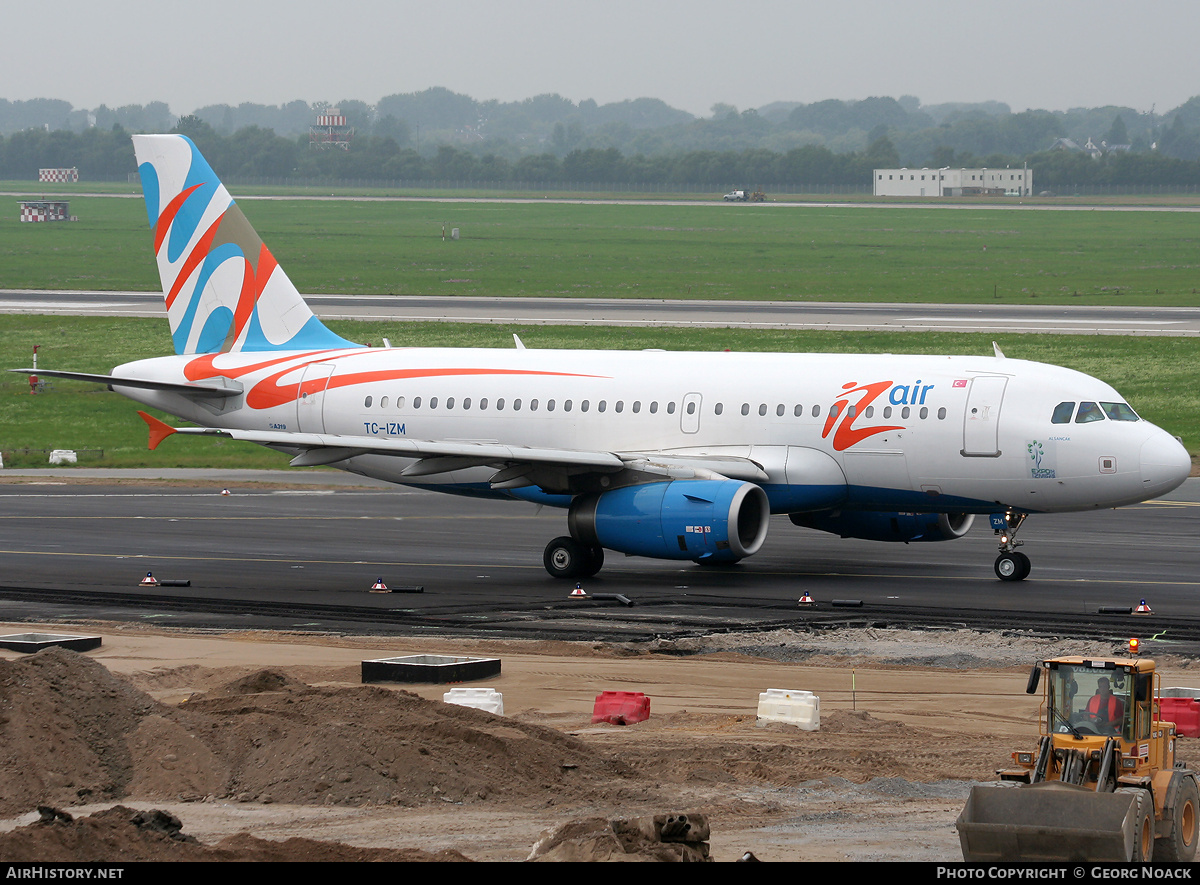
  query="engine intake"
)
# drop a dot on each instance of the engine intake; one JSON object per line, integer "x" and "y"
{"x": 718, "y": 520}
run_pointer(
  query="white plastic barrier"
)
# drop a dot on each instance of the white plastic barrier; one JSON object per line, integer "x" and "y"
{"x": 63, "y": 456}
{"x": 487, "y": 699}
{"x": 799, "y": 708}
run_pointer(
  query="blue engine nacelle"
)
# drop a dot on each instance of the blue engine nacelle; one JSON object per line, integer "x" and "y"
{"x": 705, "y": 520}
{"x": 872, "y": 526}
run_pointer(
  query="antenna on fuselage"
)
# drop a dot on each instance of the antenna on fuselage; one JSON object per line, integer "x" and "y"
{"x": 999, "y": 352}
{"x": 517, "y": 341}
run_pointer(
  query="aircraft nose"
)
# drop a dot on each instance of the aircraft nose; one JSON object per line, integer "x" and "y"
{"x": 1165, "y": 464}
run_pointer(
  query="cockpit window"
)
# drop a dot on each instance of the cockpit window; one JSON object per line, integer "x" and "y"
{"x": 1119, "y": 412}
{"x": 1089, "y": 412}
{"x": 1063, "y": 413}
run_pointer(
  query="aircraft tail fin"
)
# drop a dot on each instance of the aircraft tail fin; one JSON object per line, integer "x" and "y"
{"x": 224, "y": 290}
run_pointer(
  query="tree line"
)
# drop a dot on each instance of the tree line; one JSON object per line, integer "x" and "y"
{"x": 258, "y": 153}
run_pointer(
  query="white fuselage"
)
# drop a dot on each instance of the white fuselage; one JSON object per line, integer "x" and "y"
{"x": 877, "y": 432}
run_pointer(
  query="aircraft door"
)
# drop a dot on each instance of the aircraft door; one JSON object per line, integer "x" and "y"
{"x": 981, "y": 423}
{"x": 689, "y": 415}
{"x": 310, "y": 398}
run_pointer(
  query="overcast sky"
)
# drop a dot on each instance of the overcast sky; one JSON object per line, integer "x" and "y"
{"x": 1053, "y": 54}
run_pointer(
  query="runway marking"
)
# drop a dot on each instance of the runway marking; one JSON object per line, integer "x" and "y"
{"x": 535, "y": 567}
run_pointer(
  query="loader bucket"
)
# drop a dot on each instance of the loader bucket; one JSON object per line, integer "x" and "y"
{"x": 1048, "y": 821}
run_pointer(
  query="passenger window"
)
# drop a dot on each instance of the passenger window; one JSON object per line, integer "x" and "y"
{"x": 905, "y": 412}
{"x": 500, "y": 404}
{"x": 924, "y": 412}
{"x": 870, "y": 412}
{"x": 549, "y": 405}
{"x": 483, "y": 403}
{"x": 466, "y": 402}
{"x": 850, "y": 411}
{"x": 816, "y": 411}
{"x": 798, "y": 411}
{"x": 887, "y": 411}
{"x": 433, "y": 402}
{"x": 654, "y": 408}
{"x": 620, "y": 406}
{"x": 762, "y": 409}
{"x": 1062, "y": 413}
{"x": 367, "y": 403}
{"x": 449, "y": 402}
{"x": 566, "y": 405}
{"x": 637, "y": 406}
{"x": 602, "y": 406}
{"x": 942, "y": 413}
{"x": 383, "y": 401}
{"x": 779, "y": 410}
{"x": 416, "y": 402}
{"x": 691, "y": 408}
{"x": 1089, "y": 412}
{"x": 399, "y": 402}
{"x": 671, "y": 408}
{"x": 745, "y": 408}
{"x": 718, "y": 409}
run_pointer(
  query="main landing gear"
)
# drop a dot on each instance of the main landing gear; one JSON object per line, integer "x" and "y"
{"x": 567, "y": 558}
{"x": 1011, "y": 565}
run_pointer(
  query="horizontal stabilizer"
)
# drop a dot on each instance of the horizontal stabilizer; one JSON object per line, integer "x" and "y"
{"x": 215, "y": 387}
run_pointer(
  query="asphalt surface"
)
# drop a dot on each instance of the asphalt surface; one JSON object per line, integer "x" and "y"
{"x": 287, "y": 550}
{"x": 995, "y": 319}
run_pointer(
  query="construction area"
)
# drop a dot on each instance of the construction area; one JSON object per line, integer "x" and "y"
{"x": 166, "y": 745}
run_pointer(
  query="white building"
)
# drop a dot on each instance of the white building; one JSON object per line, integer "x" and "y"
{"x": 953, "y": 182}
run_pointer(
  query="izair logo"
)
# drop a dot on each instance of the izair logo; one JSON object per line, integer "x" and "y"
{"x": 855, "y": 400}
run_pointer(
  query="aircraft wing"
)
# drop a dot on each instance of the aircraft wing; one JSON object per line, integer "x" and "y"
{"x": 517, "y": 466}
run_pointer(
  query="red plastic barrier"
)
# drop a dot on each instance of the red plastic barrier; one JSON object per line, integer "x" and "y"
{"x": 621, "y": 707}
{"x": 1185, "y": 713}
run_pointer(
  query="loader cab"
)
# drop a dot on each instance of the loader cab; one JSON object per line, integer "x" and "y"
{"x": 1107, "y": 698}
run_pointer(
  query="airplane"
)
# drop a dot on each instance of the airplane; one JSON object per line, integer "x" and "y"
{"x": 678, "y": 456}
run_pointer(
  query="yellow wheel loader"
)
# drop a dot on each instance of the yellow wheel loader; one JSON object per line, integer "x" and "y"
{"x": 1103, "y": 784}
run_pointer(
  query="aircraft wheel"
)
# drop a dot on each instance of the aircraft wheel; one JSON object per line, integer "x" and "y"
{"x": 567, "y": 558}
{"x": 1012, "y": 566}
{"x": 1025, "y": 565}
{"x": 595, "y": 561}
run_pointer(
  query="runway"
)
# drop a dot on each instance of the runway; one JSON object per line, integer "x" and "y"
{"x": 832, "y": 316}
{"x": 305, "y": 557}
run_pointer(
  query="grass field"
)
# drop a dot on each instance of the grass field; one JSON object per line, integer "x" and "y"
{"x": 1159, "y": 376}
{"x": 717, "y": 251}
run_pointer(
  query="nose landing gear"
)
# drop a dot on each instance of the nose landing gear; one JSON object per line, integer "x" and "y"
{"x": 1011, "y": 565}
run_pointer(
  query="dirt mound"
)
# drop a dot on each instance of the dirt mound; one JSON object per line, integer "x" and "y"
{"x": 368, "y": 745}
{"x": 64, "y": 722}
{"x": 121, "y": 834}
{"x": 861, "y": 722}
{"x": 72, "y": 733}
{"x": 259, "y": 682}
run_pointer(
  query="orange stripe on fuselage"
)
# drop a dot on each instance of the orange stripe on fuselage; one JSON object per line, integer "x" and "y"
{"x": 268, "y": 393}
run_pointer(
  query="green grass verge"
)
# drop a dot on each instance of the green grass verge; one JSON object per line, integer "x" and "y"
{"x": 840, "y": 253}
{"x": 1159, "y": 376}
